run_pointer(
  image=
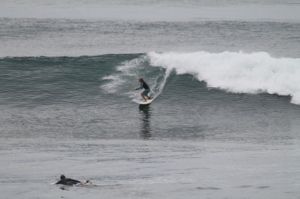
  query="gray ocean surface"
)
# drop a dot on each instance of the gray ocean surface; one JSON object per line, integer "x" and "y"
{"x": 225, "y": 121}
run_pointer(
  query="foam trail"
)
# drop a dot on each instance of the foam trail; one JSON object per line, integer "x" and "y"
{"x": 237, "y": 72}
{"x": 159, "y": 86}
{"x": 124, "y": 71}
{"x": 114, "y": 82}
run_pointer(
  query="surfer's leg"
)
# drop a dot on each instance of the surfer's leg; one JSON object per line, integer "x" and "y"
{"x": 144, "y": 97}
{"x": 145, "y": 93}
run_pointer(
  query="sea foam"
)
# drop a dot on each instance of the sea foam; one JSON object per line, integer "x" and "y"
{"x": 237, "y": 72}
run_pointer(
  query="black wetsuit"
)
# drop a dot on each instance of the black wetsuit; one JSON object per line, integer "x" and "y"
{"x": 68, "y": 181}
{"x": 144, "y": 85}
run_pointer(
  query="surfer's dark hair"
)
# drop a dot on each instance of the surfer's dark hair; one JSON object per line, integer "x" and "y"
{"x": 62, "y": 177}
{"x": 141, "y": 80}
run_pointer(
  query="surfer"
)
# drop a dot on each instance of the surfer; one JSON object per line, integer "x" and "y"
{"x": 146, "y": 88}
{"x": 70, "y": 182}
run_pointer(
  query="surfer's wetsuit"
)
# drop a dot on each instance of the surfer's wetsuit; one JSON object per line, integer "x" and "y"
{"x": 67, "y": 181}
{"x": 145, "y": 86}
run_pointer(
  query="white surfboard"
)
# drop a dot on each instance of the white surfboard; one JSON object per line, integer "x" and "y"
{"x": 143, "y": 102}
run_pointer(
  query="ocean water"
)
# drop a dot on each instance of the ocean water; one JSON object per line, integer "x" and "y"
{"x": 225, "y": 121}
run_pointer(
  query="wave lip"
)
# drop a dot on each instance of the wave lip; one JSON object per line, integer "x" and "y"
{"x": 237, "y": 72}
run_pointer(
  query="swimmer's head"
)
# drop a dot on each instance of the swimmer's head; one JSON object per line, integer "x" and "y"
{"x": 62, "y": 177}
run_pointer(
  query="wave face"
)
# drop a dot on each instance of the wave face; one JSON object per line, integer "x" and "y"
{"x": 237, "y": 72}
{"x": 234, "y": 72}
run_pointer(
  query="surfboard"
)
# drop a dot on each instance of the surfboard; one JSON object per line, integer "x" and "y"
{"x": 142, "y": 102}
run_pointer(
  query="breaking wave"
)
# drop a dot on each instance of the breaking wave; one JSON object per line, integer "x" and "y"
{"x": 236, "y": 72}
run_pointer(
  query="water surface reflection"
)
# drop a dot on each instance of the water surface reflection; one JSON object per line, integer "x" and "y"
{"x": 145, "y": 112}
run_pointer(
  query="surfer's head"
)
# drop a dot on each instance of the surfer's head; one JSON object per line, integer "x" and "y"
{"x": 141, "y": 80}
{"x": 62, "y": 177}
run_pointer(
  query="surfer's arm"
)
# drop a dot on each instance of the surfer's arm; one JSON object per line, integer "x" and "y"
{"x": 75, "y": 181}
{"x": 140, "y": 87}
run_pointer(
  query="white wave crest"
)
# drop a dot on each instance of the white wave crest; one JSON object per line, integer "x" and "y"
{"x": 237, "y": 72}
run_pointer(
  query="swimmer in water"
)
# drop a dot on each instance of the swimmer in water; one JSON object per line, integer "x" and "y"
{"x": 70, "y": 182}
